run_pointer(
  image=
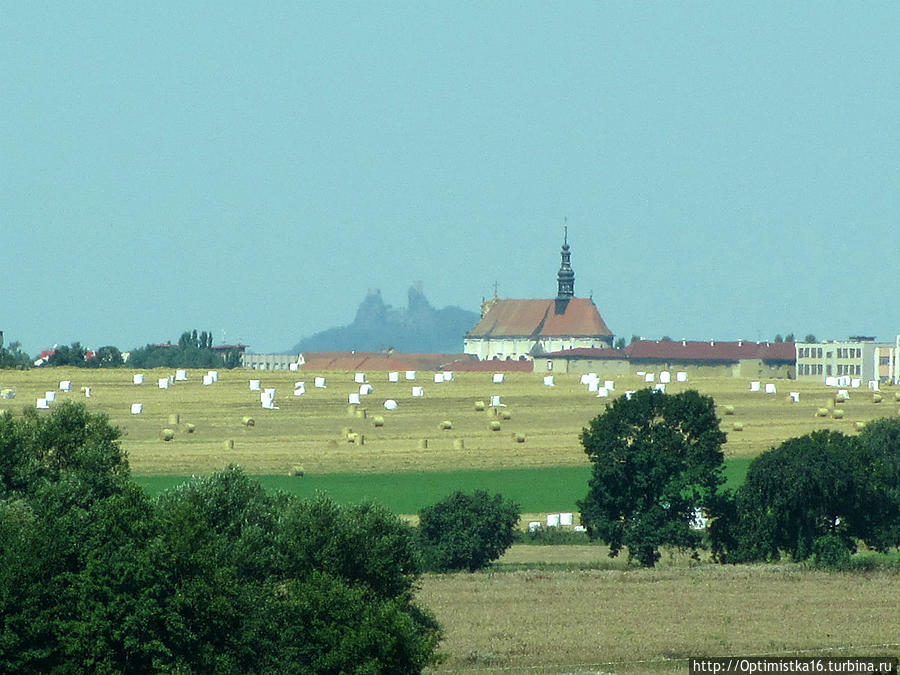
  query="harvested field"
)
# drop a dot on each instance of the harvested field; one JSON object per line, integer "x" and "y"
{"x": 307, "y": 430}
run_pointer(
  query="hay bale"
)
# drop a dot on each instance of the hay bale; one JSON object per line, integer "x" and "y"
{"x": 378, "y": 421}
{"x": 296, "y": 470}
{"x": 505, "y": 415}
{"x": 229, "y": 444}
{"x": 519, "y": 438}
{"x": 495, "y": 425}
{"x": 860, "y": 426}
{"x": 479, "y": 406}
{"x": 167, "y": 434}
{"x": 352, "y": 437}
{"x": 738, "y": 426}
{"x": 346, "y": 431}
{"x": 729, "y": 410}
{"x": 446, "y": 425}
{"x": 361, "y": 413}
{"x": 897, "y": 395}
{"x": 190, "y": 428}
{"x": 876, "y": 398}
{"x": 822, "y": 412}
{"x": 837, "y": 414}
{"x": 423, "y": 443}
{"x": 248, "y": 421}
{"x": 174, "y": 419}
{"x": 459, "y": 444}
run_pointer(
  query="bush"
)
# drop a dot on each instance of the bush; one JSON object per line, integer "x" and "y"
{"x": 830, "y": 552}
{"x": 466, "y": 531}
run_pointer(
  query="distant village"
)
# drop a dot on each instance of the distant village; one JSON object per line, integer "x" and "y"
{"x": 567, "y": 334}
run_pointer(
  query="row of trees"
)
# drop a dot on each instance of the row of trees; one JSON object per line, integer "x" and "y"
{"x": 13, "y": 357}
{"x": 658, "y": 462}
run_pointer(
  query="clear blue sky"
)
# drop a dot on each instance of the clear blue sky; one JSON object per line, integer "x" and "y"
{"x": 728, "y": 170}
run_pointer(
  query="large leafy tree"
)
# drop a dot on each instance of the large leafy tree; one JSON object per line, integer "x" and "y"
{"x": 821, "y": 485}
{"x": 467, "y": 531}
{"x": 216, "y": 576}
{"x": 13, "y": 356}
{"x": 656, "y": 459}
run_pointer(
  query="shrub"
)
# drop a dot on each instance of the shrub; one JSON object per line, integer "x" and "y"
{"x": 466, "y": 531}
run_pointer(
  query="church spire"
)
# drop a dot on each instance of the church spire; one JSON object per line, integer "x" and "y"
{"x": 565, "y": 279}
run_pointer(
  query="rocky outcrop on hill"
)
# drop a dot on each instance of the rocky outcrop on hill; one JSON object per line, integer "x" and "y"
{"x": 378, "y": 326}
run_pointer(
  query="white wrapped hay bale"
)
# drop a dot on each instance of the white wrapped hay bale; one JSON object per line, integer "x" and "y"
{"x": 137, "y": 408}
{"x": 42, "y": 404}
{"x": 754, "y": 386}
{"x": 181, "y": 375}
{"x": 410, "y": 375}
{"x": 552, "y": 520}
{"x": 566, "y": 519}
{"x": 254, "y": 385}
{"x": 393, "y": 376}
{"x": 418, "y": 391}
{"x": 497, "y": 378}
{"x": 770, "y": 388}
{"x": 163, "y": 382}
{"x": 390, "y": 404}
{"x": 353, "y": 399}
{"x": 681, "y": 376}
{"x": 320, "y": 383}
{"x": 548, "y": 381}
{"x": 138, "y": 378}
{"x": 665, "y": 377}
{"x": 65, "y": 385}
{"x": 438, "y": 378}
{"x": 359, "y": 378}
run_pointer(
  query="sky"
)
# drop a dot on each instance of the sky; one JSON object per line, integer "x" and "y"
{"x": 726, "y": 170}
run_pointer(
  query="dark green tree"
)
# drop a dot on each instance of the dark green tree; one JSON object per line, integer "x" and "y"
{"x": 67, "y": 355}
{"x": 656, "y": 458}
{"x": 467, "y": 531}
{"x": 213, "y": 576}
{"x": 878, "y": 471}
{"x": 105, "y": 357}
{"x": 810, "y": 338}
{"x": 805, "y": 489}
{"x": 778, "y": 339}
{"x": 13, "y": 357}
{"x": 620, "y": 343}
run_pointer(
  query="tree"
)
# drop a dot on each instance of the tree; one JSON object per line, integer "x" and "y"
{"x": 65, "y": 355}
{"x": 878, "y": 463}
{"x": 656, "y": 459}
{"x": 620, "y": 343}
{"x": 14, "y": 357}
{"x": 213, "y": 576}
{"x": 467, "y": 531}
{"x": 789, "y": 338}
{"x": 810, "y": 338}
{"x": 106, "y": 357}
{"x": 805, "y": 489}
{"x": 778, "y": 339}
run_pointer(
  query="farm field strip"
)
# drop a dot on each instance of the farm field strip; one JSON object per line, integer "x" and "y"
{"x": 309, "y": 430}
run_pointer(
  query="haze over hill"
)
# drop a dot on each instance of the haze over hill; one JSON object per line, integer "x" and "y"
{"x": 378, "y": 326}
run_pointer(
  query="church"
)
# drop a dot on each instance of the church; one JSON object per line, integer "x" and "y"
{"x": 521, "y": 330}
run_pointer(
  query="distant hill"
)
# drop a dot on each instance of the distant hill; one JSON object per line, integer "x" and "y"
{"x": 377, "y": 326}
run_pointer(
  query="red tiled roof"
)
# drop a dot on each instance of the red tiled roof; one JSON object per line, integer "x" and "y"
{"x": 538, "y": 318}
{"x": 380, "y": 361}
{"x": 586, "y": 353}
{"x": 491, "y": 365}
{"x": 689, "y": 350}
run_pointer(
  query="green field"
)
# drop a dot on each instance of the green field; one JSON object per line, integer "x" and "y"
{"x": 536, "y": 490}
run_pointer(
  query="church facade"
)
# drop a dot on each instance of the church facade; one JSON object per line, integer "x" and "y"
{"x": 522, "y": 330}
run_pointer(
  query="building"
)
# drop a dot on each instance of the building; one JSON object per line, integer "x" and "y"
{"x": 380, "y": 361}
{"x": 858, "y": 357}
{"x": 523, "y": 330}
{"x": 268, "y": 361}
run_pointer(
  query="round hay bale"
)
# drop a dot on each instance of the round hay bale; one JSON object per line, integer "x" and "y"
{"x": 822, "y": 412}
{"x": 519, "y": 438}
{"x": 459, "y": 444}
{"x": 174, "y": 419}
{"x": 495, "y": 425}
{"x": 738, "y": 426}
{"x": 505, "y": 415}
{"x": 876, "y": 398}
{"x": 352, "y": 437}
{"x": 229, "y": 444}
{"x": 479, "y": 406}
{"x": 378, "y": 421}
{"x": 361, "y": 413}
{"x": 837, "y": 414}
{"x": 860, "y": 426}
{"x": 167, "y": 434}
{"x": 190, "y": 428}
{"x": 296, "y": 470}
{"x": 729, "y": 410}
{"x": 897, "y": 395}
{"x": 446, "y": 425}
{"x": 248, "y": 421}
{"x": 423, "y": 443}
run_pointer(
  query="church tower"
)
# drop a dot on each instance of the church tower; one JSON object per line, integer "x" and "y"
{"x": 565, "y": 278}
